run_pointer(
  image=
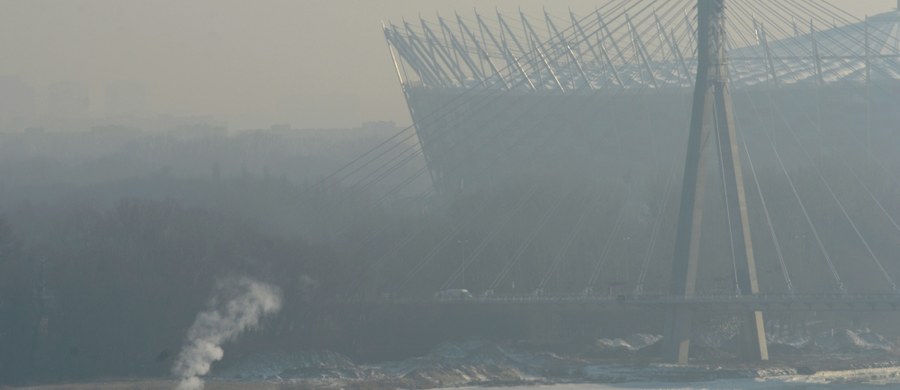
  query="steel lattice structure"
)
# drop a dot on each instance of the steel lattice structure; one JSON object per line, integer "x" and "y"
{"x": 478, "y": 85}
{"x": 646, "y": 49}
{"x": 558, "y": 145}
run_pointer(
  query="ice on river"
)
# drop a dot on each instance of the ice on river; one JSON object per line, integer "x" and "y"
{"x": 826, "y": 380}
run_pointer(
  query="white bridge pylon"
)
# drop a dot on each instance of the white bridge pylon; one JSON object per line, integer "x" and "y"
{"x": 712, "y": 117}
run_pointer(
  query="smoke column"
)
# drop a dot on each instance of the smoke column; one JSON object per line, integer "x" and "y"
{"x": 238, "y": 305}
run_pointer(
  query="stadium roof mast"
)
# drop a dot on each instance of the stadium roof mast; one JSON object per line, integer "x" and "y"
{"x": 712, "y": 111}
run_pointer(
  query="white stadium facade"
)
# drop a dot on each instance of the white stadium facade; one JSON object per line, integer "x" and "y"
{"x": 558, "y": 142}
{"x": 501, "y": 97}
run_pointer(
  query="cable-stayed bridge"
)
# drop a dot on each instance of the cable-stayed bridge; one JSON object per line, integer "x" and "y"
{"x": 704, "y": 303}
{"x": 554, "y": 149}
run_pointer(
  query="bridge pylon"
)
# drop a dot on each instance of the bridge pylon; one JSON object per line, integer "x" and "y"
{"x": 712, "y": 112}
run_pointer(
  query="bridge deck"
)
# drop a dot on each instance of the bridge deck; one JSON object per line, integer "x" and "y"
{"x": 720, "y": 303}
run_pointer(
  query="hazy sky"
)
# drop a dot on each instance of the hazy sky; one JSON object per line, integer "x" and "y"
{"x": 311, "y": 63}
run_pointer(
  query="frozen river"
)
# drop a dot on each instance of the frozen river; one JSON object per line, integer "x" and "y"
{"x": 826, "y": 380}
{"x": 714, "y": 385}
{"x": 474, "y": 362}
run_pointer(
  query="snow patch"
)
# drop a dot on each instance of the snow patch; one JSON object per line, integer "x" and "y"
{"x": 836, "y": 341}
{"x": 632, "y": 343}
{"x": 284, "y": 367}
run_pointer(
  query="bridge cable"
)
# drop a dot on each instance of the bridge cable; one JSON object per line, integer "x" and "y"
{"x": 448, "y": 238}
{"x": 779, "y": 26}
{"x": 833, "y": 195}
{"x": 850, "y": 25}
{"x": 490, "y": 237}
{"x": 526, "y": 243}
{"x": 797, "y": 197}
{"x": 724, "y": 178}
{"x": 869, "y": 192}
{"x": 842, "y": 208}
{"x": 410, "y": 237}
{"x": 562, "y": 254}
{"x": 766, "y": 212}
{"x": 601, "y": 260}
{"x": 461, "y": 100}
{"x": 799, "y": 200}
{"x": 377, "y": 179}
{"x": 854, "y": 23}
{"x": 655, "y": 232}
{"x": 417, "y": 150}
{"x": 431, "y": 255}
{"x": 611, "y": 98}
{"x": 497, "y": 227}
{"x": 494, "y": 232}
{"x": 609, "y": 242}
{"x": 496, "y": 157}
{"x": 806, "y": 214}
{"x": 662, "y": 208}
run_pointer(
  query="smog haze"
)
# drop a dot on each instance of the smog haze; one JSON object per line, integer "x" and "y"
{"x": 361, "y": 194}
{"x": 309, "y": 63}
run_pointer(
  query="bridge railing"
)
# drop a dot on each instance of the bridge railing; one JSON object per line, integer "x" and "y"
{"x": 642, "y": 299}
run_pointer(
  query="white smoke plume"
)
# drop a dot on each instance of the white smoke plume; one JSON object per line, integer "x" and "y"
{"x": 239, "y": 304}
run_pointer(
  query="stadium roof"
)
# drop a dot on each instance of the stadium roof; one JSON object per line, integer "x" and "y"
{"x": 645, "y": 44}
